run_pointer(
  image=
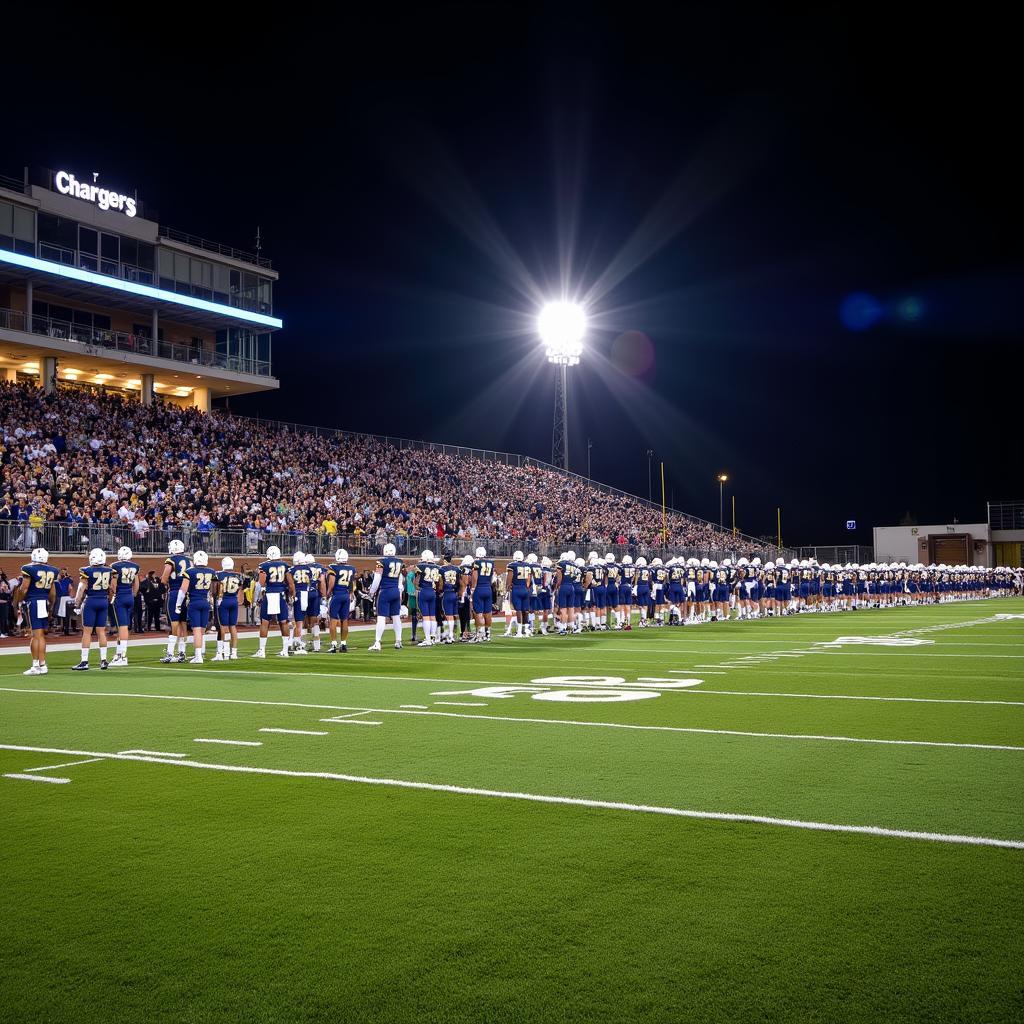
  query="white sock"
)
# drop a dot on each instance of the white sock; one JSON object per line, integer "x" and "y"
{"x": 103, "y": 653}
{"x": 171, "y": 641}
{"x": 396, "y": 621}
{"x": 86, "y": 651}
{"x": 382, "y": 623}
{"x": 181, "y": 645}
{"x": 316, "y": 637}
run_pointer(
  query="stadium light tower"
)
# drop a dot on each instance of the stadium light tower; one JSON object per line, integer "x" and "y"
{"x": 561, "y": 326}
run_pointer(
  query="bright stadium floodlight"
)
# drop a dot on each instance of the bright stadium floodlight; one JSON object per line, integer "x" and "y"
{"x": 561, "y": 326}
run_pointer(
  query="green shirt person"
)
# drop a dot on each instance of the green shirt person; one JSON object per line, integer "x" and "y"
{"x": 410, "y": 591}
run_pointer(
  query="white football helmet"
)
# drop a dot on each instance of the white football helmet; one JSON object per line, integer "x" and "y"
{"x": 655, "y": 561}
{"x": 273, "y": 551}
{"x": 517, "y": 556}
{"x": 389, "y": 549}
{"x": 627, "y": 559}
{"x": 310, "y": 558}
{"x": 756, "y": 561}
{"x": 592, "y": 557}
{"x": 726, "y": 561}
{"x": 124, "y": 553}
{"x": 609, "y": 558}
{"x": 97, "y": 556}
{"x": 641, "y": 561}
{"x": 426, "y": 555}
{"x": 201, "y": 558}
{"x": 779, "y": 561}
{"x": 712, "y": 565}
{"x": 705, "y": 562}
{"x": 743, "y": 561}
{"x": 546, "y": 562}
{"x": 531, "y": 558}
{"x": 177, "y": 547}
{"x": 341, "y": 555}
{"x": 570, "y": 556}
{"x": 467, "y": 560}
{"x": 40, "y": 555}
{"x": 581, "y": 563}
{"x": 481, "y": 552}
{"x": 299, "y": 558}
{"x": 227, "y": 564}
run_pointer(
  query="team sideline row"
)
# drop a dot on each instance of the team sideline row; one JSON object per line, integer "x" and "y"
{"x": 458, "y": 600}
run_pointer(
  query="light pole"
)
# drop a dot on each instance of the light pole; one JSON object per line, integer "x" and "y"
{"x": 561, "y": 326}
{"x": 722, "y": 477}
{"x": 590, "y": 444}
{"x": 650, "y": 455}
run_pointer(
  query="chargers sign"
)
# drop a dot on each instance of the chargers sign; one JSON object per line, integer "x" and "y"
{"x": 67, "y": 184}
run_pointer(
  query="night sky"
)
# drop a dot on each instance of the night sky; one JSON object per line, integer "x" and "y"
{"x": 720, "y": 184}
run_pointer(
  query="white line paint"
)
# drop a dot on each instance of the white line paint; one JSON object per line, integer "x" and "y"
{"x": 42, "y": 778}
{"x": 844, "y": 696}
{"x": 416, "y": 707}
{"x": 460, "y": 703}
{"x": 297, "y": 732}
{"x": 232, "y": 743}
{"x": 350, "y": 721}
{"x": 66, "y": 764}
{"x": 558, "y": 721}
{"x": 153, "y": 753}
{"x": 610, "y": 805}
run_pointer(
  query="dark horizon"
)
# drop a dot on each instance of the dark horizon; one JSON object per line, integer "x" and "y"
{"x": 729, "y": 184}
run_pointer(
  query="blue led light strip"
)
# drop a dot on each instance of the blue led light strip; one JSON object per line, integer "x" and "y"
{"x": 88, "y": 277}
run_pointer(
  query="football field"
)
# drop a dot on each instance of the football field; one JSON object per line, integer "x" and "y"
{"x": 817, "y": 818}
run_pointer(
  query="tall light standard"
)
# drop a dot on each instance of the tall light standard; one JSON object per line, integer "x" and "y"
{"x": 590, "y": 444}
{"x": 561, "y": 326}
{"x": 721, "y": 484}
{"x": 650, "y": 455}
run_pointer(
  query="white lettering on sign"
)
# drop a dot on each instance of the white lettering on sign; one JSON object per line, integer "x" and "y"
{"x": 67, "y": 184}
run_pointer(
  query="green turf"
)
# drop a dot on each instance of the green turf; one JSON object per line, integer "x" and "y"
{"x": 153, "y": 892}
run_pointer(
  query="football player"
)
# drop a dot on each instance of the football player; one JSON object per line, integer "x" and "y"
{"x": 452, "y": 583}
{"x": 300, "y": 577}
{"x": 125, "y": 584}
{"x": 37, "y": 588}
{"x": 228, "y": 585}
{"x": 196, "y": 586}
{"x": 428, "y": 578}
{"x": 91, "y": 600}
{"x": 387, "y": 586}
{"x": 274, "y": 593}
{"x": 483, "y": 595}
{"x": 174, "y": 572}
{"x": 340, "y": 582}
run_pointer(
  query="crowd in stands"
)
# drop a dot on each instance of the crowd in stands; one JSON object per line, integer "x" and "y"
{"x": 87, "y": 458}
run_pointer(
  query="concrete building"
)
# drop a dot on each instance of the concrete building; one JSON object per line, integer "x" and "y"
{"x": 93, "y": 293}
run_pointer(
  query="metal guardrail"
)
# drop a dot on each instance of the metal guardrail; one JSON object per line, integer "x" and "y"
{"x": 224, "y": 250}
{"x": 64, "y": 539}
{"x": 136, "y": 344}
{"x": 1006, "y": 515}
{"x": 838, "y": 554}
{"x": 12, "y": 184}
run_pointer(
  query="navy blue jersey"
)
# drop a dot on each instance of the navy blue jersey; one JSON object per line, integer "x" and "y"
{"x": 660, "y": 574}
{"x": 597, "y": 574}
{"x": 643, "y": 575}
{"x": 125, "y": 573}
{"x": 450, "y": 578}
{"x": 200, "y": 580}
{"x": 97, "y": 580}
{"x": 230, "y": 583}
{"x": 301, "y": 577}
{"x": 344, "y": 577}
{"x": 316, "y": 574}
{"x": 628, "y": 574}
{"x": 429, "y": 574}
{"x": 390, "y": 569}
{"x": 41, "y": 578}
{"x": 522, "y": 575}
{"x": 178, "y": 564}
{"x": 275, "y": 572}
{"x": 570, "y": 571}
{"x": 612, "y": 573}
{"x": 484, "y": 572}
{"x": 537, "y": 571}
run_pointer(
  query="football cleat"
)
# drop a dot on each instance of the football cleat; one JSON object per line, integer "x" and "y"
{"x": 374, "y": 646}
{"x": 282, "y": 654}
{"x": 196, "y": 660}
{"x": 167, "y": 659}
{"x": 118, "y": 662}
{"x": 82, "y": 666}
{"x": 234, "y": 656}
{"x": 218, "y": 657}
{"x": 180, "y": 659}
{"x": 259, "y": 654}
{"x": 104, "y": 664}
{"x": 33, "y": 671}
{"x": 398, "y": 645}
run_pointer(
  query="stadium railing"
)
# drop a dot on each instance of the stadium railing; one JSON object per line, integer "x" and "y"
{"x": 1006, "y": 515}
{"x": 62, "y": 538}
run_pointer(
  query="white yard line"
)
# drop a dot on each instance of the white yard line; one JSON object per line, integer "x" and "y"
{"x": 347, "y": 720}
{"x": 153, "y": 753}
{"x": 66, "y": 764}
{"x": 610, "y": 805}
{"x": 535, "y": 721}
{"x": 41, "y": 778}
{"x": 461, "y": 703}
{"x": 232, "y": 743}
{"x": 297, "y": 732}
{"x": 416, "y": 707}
